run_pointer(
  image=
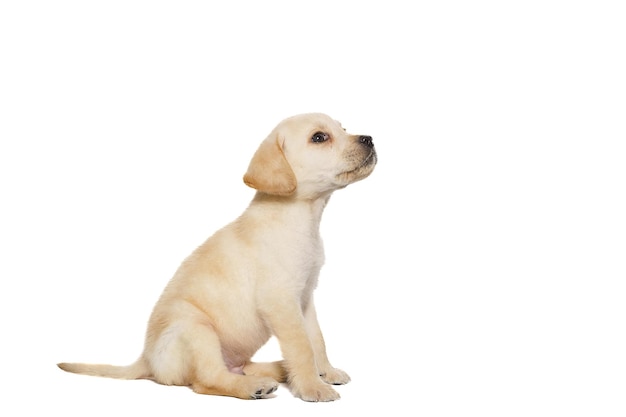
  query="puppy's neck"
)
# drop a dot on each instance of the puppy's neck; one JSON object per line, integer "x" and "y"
{"x": 312, "y": 207}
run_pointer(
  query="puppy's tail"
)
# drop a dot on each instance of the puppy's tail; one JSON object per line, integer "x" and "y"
{"x": 138, "y": 370}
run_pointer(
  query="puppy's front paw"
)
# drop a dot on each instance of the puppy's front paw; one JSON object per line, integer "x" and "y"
{"x": 318, "y": 391}
{"x": 335, "y": 376}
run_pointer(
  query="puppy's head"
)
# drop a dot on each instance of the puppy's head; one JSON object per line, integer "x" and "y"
{"x": 310, "y": 155}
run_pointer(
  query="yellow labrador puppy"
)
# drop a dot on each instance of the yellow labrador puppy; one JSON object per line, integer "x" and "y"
{"x": 255, "y": 277}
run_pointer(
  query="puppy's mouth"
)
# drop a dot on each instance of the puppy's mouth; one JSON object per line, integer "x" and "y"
{"x": 371, "y": 158}
{"x": 363, "y": 169}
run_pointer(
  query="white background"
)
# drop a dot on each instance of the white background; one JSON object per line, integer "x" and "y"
{"x": 479, "y": 271}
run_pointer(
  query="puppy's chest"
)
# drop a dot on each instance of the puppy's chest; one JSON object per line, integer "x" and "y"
{"x": 290, "y": 240}
{"x": 306, "y": 252}
{"x": 308, "y": 260}
{"x": 312, "y": 256}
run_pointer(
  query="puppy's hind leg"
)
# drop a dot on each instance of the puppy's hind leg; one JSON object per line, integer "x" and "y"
{"x": 210, "y": 374}
{"x": 275, "y": 370}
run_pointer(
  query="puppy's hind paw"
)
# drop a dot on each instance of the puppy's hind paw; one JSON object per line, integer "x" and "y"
{"x": 265, "y": 390}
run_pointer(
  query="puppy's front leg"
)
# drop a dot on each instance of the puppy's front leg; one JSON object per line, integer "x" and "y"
{"x": 329, "y": 374}
{"x": 287, "y": 321}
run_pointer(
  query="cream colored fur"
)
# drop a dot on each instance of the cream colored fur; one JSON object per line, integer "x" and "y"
{"x": 255, "y": 277}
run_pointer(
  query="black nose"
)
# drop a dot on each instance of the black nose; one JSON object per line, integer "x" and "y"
{"x": 366, "y": 140}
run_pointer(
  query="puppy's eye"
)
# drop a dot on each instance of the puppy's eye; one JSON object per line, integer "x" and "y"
{"x": 319, "y": 137}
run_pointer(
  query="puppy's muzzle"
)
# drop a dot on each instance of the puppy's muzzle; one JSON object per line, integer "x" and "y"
{"x": 371, "y": 157}
{"x": 369, "y": 143}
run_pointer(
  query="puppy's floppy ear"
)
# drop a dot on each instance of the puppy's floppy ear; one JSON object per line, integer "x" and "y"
{"x": 269, "y": 170}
